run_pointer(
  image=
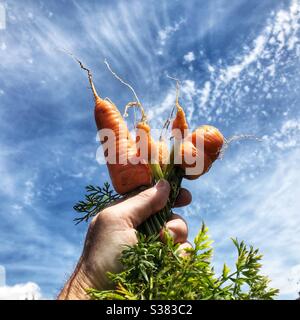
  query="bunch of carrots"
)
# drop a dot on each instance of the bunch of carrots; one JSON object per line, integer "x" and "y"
{"x": 144, "y": 169}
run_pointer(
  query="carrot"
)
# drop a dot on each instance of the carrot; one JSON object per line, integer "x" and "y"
{"x": 187, "y": 149}
{"x": 179, "y": 123}
{"x": 132, "y": 169}
{"x": 143, "y": 137}
{"x": 163, "y": 153}
{"x": 212, "y": 138}
{"x": 157, "y": 151}
{"x": 125, "y": 176}
{"x": 213, "y": 141}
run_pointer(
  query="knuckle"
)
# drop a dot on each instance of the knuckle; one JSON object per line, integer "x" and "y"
{"x": 102, "y": 217}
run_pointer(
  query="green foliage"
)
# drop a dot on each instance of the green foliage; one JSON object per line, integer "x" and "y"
{"x": 155, "y": 270}
{"x": 95, "y": 201}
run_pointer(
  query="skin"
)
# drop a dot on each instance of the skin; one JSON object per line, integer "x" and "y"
{"x": 116, "y": 227}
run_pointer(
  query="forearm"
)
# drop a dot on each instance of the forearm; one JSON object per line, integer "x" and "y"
{"x": 86, "y": 276}
{"x": 75, "y": 287}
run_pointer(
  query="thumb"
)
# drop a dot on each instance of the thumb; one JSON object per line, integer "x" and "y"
{"x": 141, "y": 206}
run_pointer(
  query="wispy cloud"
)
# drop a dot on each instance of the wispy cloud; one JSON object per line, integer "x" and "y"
{"x": 276, "y": 43}
{"x": 2, "y": 17}
{"x": 205, "y": 92}
{"x": 233, "y": 71}
{"x": 166, "y": 33}
{"x": 48, "y": 147}
{"x": 162, "y": 110}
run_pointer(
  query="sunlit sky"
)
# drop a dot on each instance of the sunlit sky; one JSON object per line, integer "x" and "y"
{"x": 238, "y": 62}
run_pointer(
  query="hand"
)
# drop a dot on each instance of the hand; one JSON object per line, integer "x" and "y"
{"x": 115, "y": 227}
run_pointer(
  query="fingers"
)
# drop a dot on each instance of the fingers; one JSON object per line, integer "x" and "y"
{"x": 182, "y": 249}
{"x": 184, "y": 198}
{"x": 177, "y": 228}
{"x": 141, "y": 206}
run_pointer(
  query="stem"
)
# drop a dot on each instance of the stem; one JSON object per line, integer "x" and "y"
{"x": 157, "y": 172}
{"x": 146, "y": 228}
{"x": 174, "y": 176}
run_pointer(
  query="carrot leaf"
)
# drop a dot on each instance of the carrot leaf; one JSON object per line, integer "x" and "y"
{"x": 96, "y": 199}
{"x": 159, "y": 271}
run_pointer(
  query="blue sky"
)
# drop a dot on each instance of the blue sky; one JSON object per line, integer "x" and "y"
{"x": 239, "y": 66}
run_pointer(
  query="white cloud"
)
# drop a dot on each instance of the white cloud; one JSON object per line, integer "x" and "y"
{"x": 234, "y": 71}
{"x": 287, "y": 137}
{"x": 189, "y": 93}
{"x": 30, "y": 15}
{"x": 165, "y": 33}
{"x": 29, "y": 192}
{"x": 7, "y": 185}
{"x": 3, "y": 46}
{"x": 211, "y": 68}
{"x": 280, "y": 35}
{"x": 191, "y": 68}
{"x": 26, "y": 291}
{"x": 159, "y": 111}
{"x": 205, "y": 92}
{"x": 188, "y": 88}
{"x": 2, "y": 17}
{"x": 189, "y": 57}
{"x": 16, "y": 209}
{"x": 284, "y": 277}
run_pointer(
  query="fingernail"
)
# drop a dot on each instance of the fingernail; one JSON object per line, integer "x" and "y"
{"x": 162, "y": 184}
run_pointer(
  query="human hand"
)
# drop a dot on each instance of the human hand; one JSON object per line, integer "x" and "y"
{"x": 115, "y": 227}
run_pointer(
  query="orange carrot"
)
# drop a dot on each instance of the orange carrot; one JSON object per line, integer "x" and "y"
{"x": 127, "y": 176}
{"x": 163, "y": 153}
{"x": 179, "y": 123}
{"x": 187, "y": 149}
{"x": 212, "y": 140}
{"x": 157, "y": 151}
{"x": 143, "y": 137}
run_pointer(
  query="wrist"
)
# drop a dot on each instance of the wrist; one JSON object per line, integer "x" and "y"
{"x": 79, "y": 282}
